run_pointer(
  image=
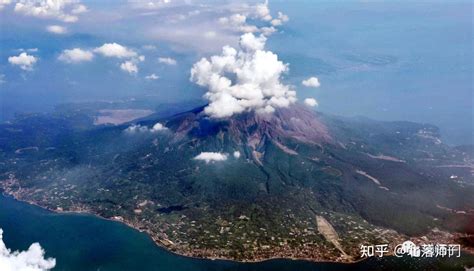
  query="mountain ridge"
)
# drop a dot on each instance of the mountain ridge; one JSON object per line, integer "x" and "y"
{"x": 363, "y": 177}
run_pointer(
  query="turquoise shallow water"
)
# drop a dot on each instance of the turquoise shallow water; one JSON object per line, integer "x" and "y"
{"x": 85, "y": 242}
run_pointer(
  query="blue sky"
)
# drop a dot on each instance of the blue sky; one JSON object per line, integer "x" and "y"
{"x": 409, "y": 60}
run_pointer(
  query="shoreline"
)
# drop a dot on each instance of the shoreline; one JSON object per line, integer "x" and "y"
{"x": 159, "y": 244}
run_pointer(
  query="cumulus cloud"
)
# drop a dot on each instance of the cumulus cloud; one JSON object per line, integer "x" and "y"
{"x": 111, "y": 50}
{"x": 24, "y": 60}
{"x": 311, "y": 82}
{"x": 152, "y": 77}
{"x": 261, "y": 19}
{"x": 137, "y": 128}
{"x": 237, "y": 154}
{"x": 76, "y": 55}
{"x": 29, "y": 260}
{"x": 115, "y": 50}
{"x": 64, "y": 10}
{"x": 158, "y": 127}
{"x": 4, "y": 3}
{"x": 129, "y": 66}
{"x": 167, "y": 60}
{"x": 211, "y": 156}
{"x": 282, "y": 18}
{"x": 243, "y": 80}
{"x": 237, "y": 22}
{"x": 311, "y": 102}
{"x": 56, "y": 29}
{"x": 262, "y": 11}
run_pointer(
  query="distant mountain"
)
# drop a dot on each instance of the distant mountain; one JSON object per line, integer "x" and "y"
{"x": 295, "y": 183}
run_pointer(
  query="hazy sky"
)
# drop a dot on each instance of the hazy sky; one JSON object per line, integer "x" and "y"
{"x": 408, "y": 60}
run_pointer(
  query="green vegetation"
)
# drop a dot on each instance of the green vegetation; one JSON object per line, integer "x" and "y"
{"x": 260, "y": 205}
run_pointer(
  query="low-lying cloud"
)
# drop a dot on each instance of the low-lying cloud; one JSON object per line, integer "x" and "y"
{"x": 24, "y": 61}
{"x": 137, "y": 128}
{"x": 211, "y": 156}
{"x": 311, "y": 102}
{"x": 167, "y": 60}
{"x": 238, "y": 22}
{"x": 129, "y": 66}
{"x": 64, "y": 10}
{"x": 111, "y": 50}
{"x": 115, "y": 50}
{"x": 311, "y": 82}
{"x": 152, "y": 77}
{"x": 76, "y": 55}
{"x": 243, "y": 80}
{"x": 31, "y": 259}
{"x": 56, "y": 29}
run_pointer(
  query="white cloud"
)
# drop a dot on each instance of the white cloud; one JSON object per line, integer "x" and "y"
{"x": 152, "y": 77}
{"x": 250, "y": 43}
{"x": 56, "y": 29}
{"x": 167, "y": 60}
{"x": 237, "y": 22}
{"x": 115, "y": 50}
{"x": 2, "y": 78}
{"x": 311, "y": 102}
{"x": 76, "y": 55}
{"x": 24, "y": 60}
{"x": 312, "y": 82}
{"x": 262, "y": 12}
{"x": 29, "y": 260}
{"x": 149, "y": 4}
{"x": 4, "y": 3}
{"x": 137, "y": 128}
{"x": 78, "y": 9}
{"x": 211, "y": 156}
{"x": 158, "y": 127}
{"x": 129, "y": 66}
{"x": 267, "y": 31}
{"x": 64, "y": 10}
{"x": 243, "y": 80}
{"x": 237, "y": 154}
{"x": 282, "y": 18}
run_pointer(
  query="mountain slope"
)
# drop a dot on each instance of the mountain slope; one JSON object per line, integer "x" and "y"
{"x": 379, "y": 182}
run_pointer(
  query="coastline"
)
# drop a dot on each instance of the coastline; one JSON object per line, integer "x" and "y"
{"x": 159, "y": 243}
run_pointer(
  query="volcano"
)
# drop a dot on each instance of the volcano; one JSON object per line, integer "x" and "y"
{"x": 295, "y": 183}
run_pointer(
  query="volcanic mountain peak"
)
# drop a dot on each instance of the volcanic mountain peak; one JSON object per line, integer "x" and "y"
{"x": 297, "y": 171}
{"x": 296, "y": 122}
